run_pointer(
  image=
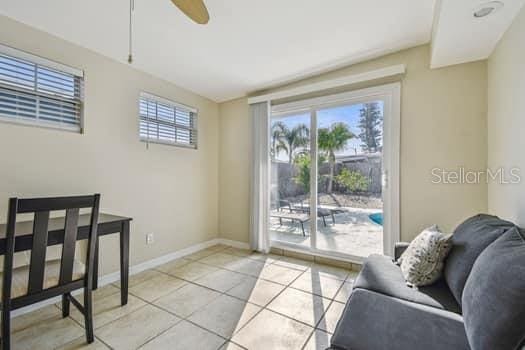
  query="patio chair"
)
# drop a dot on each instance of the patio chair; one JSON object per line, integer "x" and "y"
{"x": 321, "y": 212}
{"x": 301, "y": 218}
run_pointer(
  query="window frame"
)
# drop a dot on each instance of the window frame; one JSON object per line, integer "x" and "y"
{"x": 158, "y": 99}
{"x": 39, "y": 61}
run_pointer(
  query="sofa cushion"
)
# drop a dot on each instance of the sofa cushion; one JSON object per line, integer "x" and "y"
{"x": 469, "y": 240}
{"x": 494, "y": 295}
{"x": 372, "y": 320}
{"x": 380, "y": 274}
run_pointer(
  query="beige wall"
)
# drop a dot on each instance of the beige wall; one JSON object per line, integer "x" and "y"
{"x": 169, "y": 191}
{"x": 443, "y": 124}
{"x": 234, "y": 169}
{"x": 506, "y": 120}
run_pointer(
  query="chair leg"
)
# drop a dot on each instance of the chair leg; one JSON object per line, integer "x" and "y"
{"x": 65, "y": 305}
{"x": 324, "y": 221}
{"x": 302, "y": 227}
{"x": 333, "y": 218}
{"x": 6, "y": 329}
{"x": 88, "y": 315}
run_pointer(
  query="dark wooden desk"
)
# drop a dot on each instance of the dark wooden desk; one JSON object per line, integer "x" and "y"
{"x": 107, "y": 224}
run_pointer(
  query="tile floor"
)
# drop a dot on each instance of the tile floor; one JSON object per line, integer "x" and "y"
{"x": 220, "y": 298}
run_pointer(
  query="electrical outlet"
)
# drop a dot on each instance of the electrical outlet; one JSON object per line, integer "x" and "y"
{"x": 150, "y": 238}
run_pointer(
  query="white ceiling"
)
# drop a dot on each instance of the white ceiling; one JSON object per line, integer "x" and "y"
{"x": 460, "y": 37}
{"x": 248, "y": 44}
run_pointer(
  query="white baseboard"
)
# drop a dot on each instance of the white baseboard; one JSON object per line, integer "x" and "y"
{"x": 149, "y": 264}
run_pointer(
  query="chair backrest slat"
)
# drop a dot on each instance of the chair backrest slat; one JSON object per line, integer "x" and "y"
{"x": 8, "y": 258}
{"x": 42, "y": 207}
{"x": 38, "y": 252}
{"x": 57, "y": 203}
{"x": 68, "y": 250}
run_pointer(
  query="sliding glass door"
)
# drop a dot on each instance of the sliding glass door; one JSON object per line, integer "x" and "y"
{"x": 332, "y": 159}
{"x": 290, "y": 158}
{"x": 349, "y": 190}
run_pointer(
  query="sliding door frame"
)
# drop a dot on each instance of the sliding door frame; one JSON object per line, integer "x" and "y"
{"x": 390, "y": 94}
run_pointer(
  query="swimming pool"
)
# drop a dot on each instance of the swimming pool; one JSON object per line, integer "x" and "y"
{"x": 377, "y": 218}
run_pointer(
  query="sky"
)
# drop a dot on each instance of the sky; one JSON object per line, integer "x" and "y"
{"x": 348, "y": 114}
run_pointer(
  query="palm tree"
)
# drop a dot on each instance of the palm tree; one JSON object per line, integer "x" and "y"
{"x": 288, "y": 140}
{"x": 331, "y": 140}
{"x": 277, "y": 132}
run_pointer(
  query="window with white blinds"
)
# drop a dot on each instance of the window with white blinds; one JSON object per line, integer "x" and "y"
{"x": 167, "y": 122}
{"x": 40, "y": 92}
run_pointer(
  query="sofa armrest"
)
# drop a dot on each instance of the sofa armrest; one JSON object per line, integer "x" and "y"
{"x": 399, "y": 248}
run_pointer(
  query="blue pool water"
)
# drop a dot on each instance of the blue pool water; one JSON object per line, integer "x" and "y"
{"x": 377, "y": 218}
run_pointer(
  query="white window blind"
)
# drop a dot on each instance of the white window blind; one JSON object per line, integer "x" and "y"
{"x": 36, "y": 91}
{"x": 168, "y": 122}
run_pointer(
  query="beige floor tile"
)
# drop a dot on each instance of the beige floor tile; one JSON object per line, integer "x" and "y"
{"x": 156, "y": 287}
{"x": 220, "y": 259}
{"x": 108, "y": 309}
{"x": 256, "y": 291}
{"x": 331, "y": 317}
{"x": 201, "y": 254}
{"x": 217, "y": 247}
{"x": 352, "y": 275}
{"x": 221, "y": 280}
{"x": 319, "y": 340}
{"x": 269, "y": 330}
{"x": 103, "y": 292}
{"x": 293, "y": 263}
{"x": 238, "y": 251}
{"x": 300, "y": 306}
{"x": 231, "y": 346}
{"x": 34, "y": 318}
{"x": 344, "y": 293}
{"x": 267, "y": 258}
{"x": 186, "y": 300}
{"x": 320, "y": 285}
{"x": 279, "y": 274}
{"x": 136, "y": 328}
{"x": 193, "y": 271}
{"x": 225, "y": 315}
{"x": 184, "y": 336}
{"x": 81, "y": 344}
{"x": 47, "y": 335}
{"x": 100, "y": 293}
{"x": 170, "y": 266}
{"x": 139, "y": 278}
{"x": 247, "y": 267}
{"x": 329, "y": 271}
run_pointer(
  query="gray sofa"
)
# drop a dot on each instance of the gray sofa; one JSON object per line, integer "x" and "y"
{"x": 479, "y": 304}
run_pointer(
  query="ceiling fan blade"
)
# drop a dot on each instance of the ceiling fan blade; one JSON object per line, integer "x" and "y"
{"x": 194, "y": 9}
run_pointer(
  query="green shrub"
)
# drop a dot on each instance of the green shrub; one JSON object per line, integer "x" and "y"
{"x": 302, "y": 162}
{"x": 352, "y": 181}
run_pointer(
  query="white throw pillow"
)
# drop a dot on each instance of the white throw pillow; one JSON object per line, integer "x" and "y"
{"x": 422, "y": 262}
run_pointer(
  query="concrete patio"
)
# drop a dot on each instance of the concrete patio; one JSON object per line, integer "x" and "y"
{"x": 353, "y": 233}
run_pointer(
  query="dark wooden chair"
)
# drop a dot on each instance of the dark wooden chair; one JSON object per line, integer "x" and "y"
{"x": 42, "y": 280}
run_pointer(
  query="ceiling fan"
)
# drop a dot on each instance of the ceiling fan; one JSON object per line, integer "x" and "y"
{"x": 195, "y": 9}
